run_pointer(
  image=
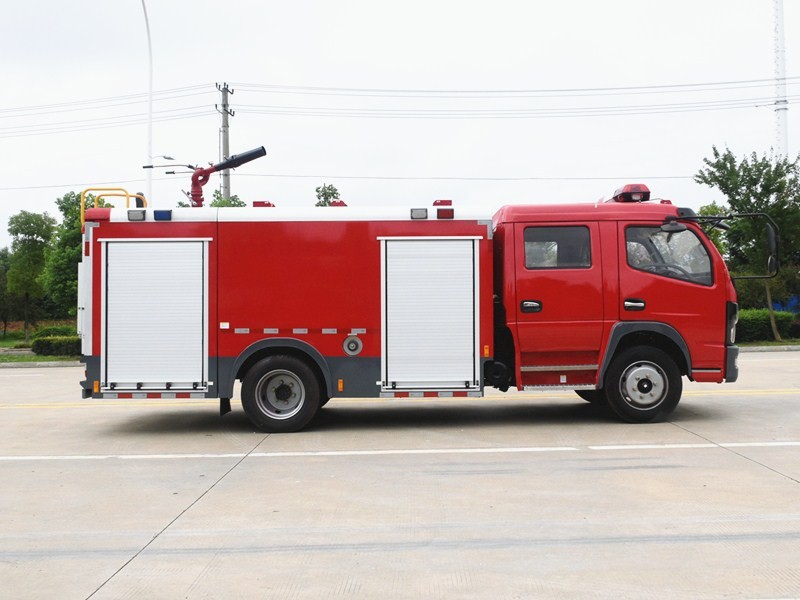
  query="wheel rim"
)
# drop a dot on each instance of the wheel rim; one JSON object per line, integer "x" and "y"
{"x": 643, "y": 385}
{"x": 280, "y": 394}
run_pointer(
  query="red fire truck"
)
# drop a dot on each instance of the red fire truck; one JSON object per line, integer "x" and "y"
{"x": 616, "y": 300}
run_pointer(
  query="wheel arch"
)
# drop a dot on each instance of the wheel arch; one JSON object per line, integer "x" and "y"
{"x": 647, "y": 333}
{"x": 270, "y": 347}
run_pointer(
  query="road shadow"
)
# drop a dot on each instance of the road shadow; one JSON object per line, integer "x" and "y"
{"x": 374, "y": 416}
{"x": 344, "y": 416}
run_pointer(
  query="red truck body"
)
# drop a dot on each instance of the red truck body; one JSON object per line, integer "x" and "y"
{"x": 616, "y": 299}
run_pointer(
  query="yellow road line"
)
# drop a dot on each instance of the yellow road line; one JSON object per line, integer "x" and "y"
{"x": 494, "y": 397}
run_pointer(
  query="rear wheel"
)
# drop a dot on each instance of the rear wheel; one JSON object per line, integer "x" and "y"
{"x": 643, "y": 384}
{"x": 280, "y": 394}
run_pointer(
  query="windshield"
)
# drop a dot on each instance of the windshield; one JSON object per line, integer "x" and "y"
{"x": 679, "y": 255}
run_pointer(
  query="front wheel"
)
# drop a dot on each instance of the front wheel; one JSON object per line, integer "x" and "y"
{"x": 280, "y": 394}
{"x": 643, "y": 384}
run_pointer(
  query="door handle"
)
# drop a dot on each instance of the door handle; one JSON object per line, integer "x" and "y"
{"x": 530, "y": 306}
{"x": 634, "y": 304}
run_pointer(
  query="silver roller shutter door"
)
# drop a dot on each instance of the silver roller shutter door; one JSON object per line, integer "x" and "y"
{"x": 430, "y": 317}
{"x": 155, "y": 324}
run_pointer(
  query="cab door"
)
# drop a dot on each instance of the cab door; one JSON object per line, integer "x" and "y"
{"x": 559, "y": 303}
{"x": 670, "y": 278}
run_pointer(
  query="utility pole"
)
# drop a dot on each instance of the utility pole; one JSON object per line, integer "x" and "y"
{"x": 781, "y": 104}
{"x": 223, "y": 110}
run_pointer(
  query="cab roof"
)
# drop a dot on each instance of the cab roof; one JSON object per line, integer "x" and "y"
{"x": 599, "y": 211}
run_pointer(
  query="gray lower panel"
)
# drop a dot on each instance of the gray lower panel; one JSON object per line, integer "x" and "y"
{"x": 359, "y": 375}
{"x": 93, "y": 374}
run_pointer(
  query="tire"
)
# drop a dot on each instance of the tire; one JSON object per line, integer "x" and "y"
{"x": 643, "y": 384}
{"x": 280, "y": 394}
{"x": 593, "y": 396}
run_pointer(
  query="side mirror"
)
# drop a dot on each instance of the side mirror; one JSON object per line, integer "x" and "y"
{"x": 773, "y": 240}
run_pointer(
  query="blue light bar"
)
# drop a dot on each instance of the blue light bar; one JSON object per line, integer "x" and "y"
{"x": 162, "y": 215}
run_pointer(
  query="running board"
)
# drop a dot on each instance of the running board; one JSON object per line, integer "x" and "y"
{"x": 549, "y": 388}
{"x": 541, "y": 369}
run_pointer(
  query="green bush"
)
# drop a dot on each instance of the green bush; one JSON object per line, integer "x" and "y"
{"x": 754, "y": 325}
{"x": 55, "y": 331}
{"x": 57, "y": 346}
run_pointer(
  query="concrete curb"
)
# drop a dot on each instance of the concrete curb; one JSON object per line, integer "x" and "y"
{"x": 769, "y": 348}
{"x": 31, "y": 365}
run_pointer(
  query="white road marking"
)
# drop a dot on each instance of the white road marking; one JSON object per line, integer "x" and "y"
{"x": 401, "y": 452}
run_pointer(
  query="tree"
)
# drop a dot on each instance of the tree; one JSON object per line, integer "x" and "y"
{"x": 712, "y": 210}
{"x": 60, "y": 275}
{"x": 757, "y": 184}
{"x": 6, "y": 299}
{"x": 326, "y": 194}
{"x": 218, "y": 201}
{"x": 30, "y": 233}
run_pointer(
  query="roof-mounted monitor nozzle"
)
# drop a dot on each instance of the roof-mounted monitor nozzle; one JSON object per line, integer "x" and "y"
{"x": 200, "y": 176}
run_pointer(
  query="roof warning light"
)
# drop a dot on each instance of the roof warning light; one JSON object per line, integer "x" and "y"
{"x": 633, "y": 192}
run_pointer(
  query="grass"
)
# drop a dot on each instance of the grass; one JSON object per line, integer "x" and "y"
{"x": 15, "y": 334}
{"x": 8, "y": 343}
{"x": 783, "y": 342}
{"x": 26, "y": 358}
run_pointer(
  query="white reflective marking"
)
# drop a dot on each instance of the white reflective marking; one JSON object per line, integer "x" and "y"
{"x": 654, "y": 447}
{"x": 416, "y": 451}
{"x": 401, "y": 452}
{"x": 759, "y": 444}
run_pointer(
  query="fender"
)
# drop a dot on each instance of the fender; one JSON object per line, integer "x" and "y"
{"x": 227, "y": 376}
{"x": 620, "y": 330}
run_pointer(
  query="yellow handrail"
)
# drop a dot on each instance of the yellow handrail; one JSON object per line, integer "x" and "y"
{"x": 111, "y": 192}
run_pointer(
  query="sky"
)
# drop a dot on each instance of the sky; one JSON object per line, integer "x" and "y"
{"x": 394, "y": 103}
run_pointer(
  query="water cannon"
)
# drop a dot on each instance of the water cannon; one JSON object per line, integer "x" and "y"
{"x": 201, "y": 175}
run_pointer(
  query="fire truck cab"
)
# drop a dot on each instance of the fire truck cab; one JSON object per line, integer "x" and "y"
{"x": 617, "y": 300}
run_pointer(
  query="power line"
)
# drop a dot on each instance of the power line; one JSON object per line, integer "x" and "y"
{"x": 109, "y": 125}
{"x": 101, "y": 100}
{"x": 505, "y": 113}
{"x": 93, "y": 107}
{"x": 36, "y": 126}
{"x": 379, "y": 92}
{"x": 362, "y": 177}
{"x": 83, "y": 184}
{"x": 446, "y": 178}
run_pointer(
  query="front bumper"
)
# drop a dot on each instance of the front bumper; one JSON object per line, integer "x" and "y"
{"x": 731, "y": 363}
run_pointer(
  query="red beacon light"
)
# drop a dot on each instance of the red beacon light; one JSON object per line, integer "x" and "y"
{"x": 633, "y": 192}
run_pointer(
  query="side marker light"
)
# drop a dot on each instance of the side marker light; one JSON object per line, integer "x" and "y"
{"x": 445, "y": 213}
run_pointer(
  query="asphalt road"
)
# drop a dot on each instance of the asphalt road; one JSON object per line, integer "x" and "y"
{"x": 514, "y": 496}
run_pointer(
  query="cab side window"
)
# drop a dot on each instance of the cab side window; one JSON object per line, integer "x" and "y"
{"x": 558, "y": 247}
{"x": 679, "y": 255}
